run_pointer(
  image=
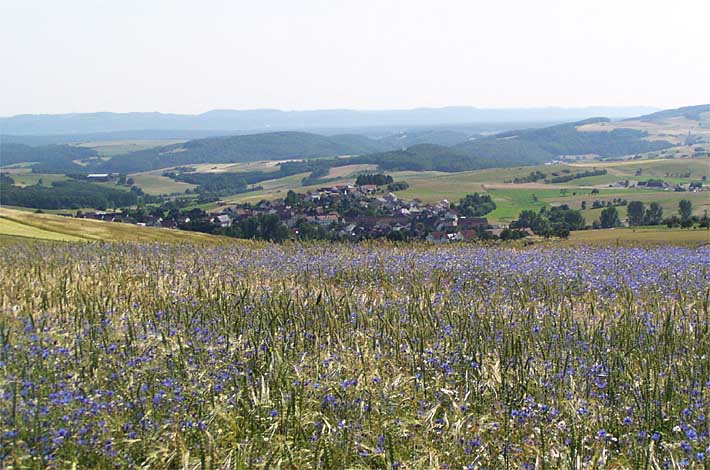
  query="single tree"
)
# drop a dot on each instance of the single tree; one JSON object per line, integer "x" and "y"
{"x": 291, "y": 198}
{"x": 609, "y": 217}
{"x": 654, "y": 214}
{"x": 635, "y": 212}
{"x": 685, "y": 208}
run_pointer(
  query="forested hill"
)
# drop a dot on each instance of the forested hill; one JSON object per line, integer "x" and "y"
{"x": 515, "y": 148}
{"x": 689, "y": 112}
{"x": 439, "y": 149}
{"x": 47, "y": 158}
{"x": 423, "y": 157}
{"x": 243, "y": 148}
{"x": 522, "y": 147}
{"x": 539, "y": 145}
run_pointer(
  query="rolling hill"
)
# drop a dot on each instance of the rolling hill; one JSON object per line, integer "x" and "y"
{"x": 28, "y": 225}
{"x": 421, "y": 150}
{"x": 516, "y": 148}
{"x": 233, "y": 149}
{"x": 422, "y": 157}
{"x": 243, "y": 148}
{"x": 539, "y": 145}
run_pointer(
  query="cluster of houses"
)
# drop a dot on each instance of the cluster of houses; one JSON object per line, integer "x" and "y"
{"x": 358, "y": 212}
{"x": 347, "y": 212}
{"x": 120, "y": 216}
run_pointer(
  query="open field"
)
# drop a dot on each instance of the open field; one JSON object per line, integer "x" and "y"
{"x": 25, "y": 177}
{"x": 49, "y": 211}
{"x": 667, "y": 199}
{"x": 342, "y": 356}
{"x": 657, "y": 168}
{"x": 16, "y": 167}
{"x": 111, "y": 148}
{"x": 347, "y": 170}
{"x": 264, "y": 166}
{"x": 52, "y": 227}
{"x": 156, "y": 184}
{"x": 17, "y": 229}
{"x": 674, "y": 130}
{"x": 659, "y": 235}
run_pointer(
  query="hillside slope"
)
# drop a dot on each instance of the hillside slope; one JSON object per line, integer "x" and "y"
{"x": 51, "y": 227}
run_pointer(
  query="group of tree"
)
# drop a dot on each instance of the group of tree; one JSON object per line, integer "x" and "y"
{"x": 67, "y": 195}
{"x": 555, "y": 221}
{"x": 475, "y": 205}
{"x": 536, "y": 175}
{"x": 266, "y": 227}
{"x": 574, "y": 176}
{"x": 398, "y": 186}
{"x": 6, "y": 179}
{"x": 638, "y": 214}
{"x": 685, "y": 217}
{"x": 377, "y": 179}
{"x": 598, "y": 203}
{"x": 259, "y": 227}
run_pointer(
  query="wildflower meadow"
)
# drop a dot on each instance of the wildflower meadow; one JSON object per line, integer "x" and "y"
{"x": 354, "y": 356}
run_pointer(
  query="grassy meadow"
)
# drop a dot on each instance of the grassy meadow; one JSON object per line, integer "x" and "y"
{"x": 156, "y": 184}
{"x": 368, "y": 356}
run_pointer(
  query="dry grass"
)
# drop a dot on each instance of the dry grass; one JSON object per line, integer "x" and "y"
{"x": 349, "y": 170}
{"x": 13, "y": 228}
{"x": 52, "y": 227}
{"x": 674, "y": 130}
{"x": 642, "y": 236}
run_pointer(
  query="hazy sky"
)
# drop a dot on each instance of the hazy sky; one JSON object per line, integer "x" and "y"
{"x": 193, "y": 56}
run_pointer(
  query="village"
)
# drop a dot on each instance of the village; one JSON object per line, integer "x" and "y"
{"x": 344, "y": 212}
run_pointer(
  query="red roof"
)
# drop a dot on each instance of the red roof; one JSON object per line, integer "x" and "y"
{"x": 469, "y": 234}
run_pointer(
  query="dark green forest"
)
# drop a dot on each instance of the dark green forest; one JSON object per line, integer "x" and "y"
{"x": 48, "y": 158}
{"x": 66, "y": 195}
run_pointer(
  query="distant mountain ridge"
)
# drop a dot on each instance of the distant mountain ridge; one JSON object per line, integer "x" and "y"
{"x": 264, "y": 120}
